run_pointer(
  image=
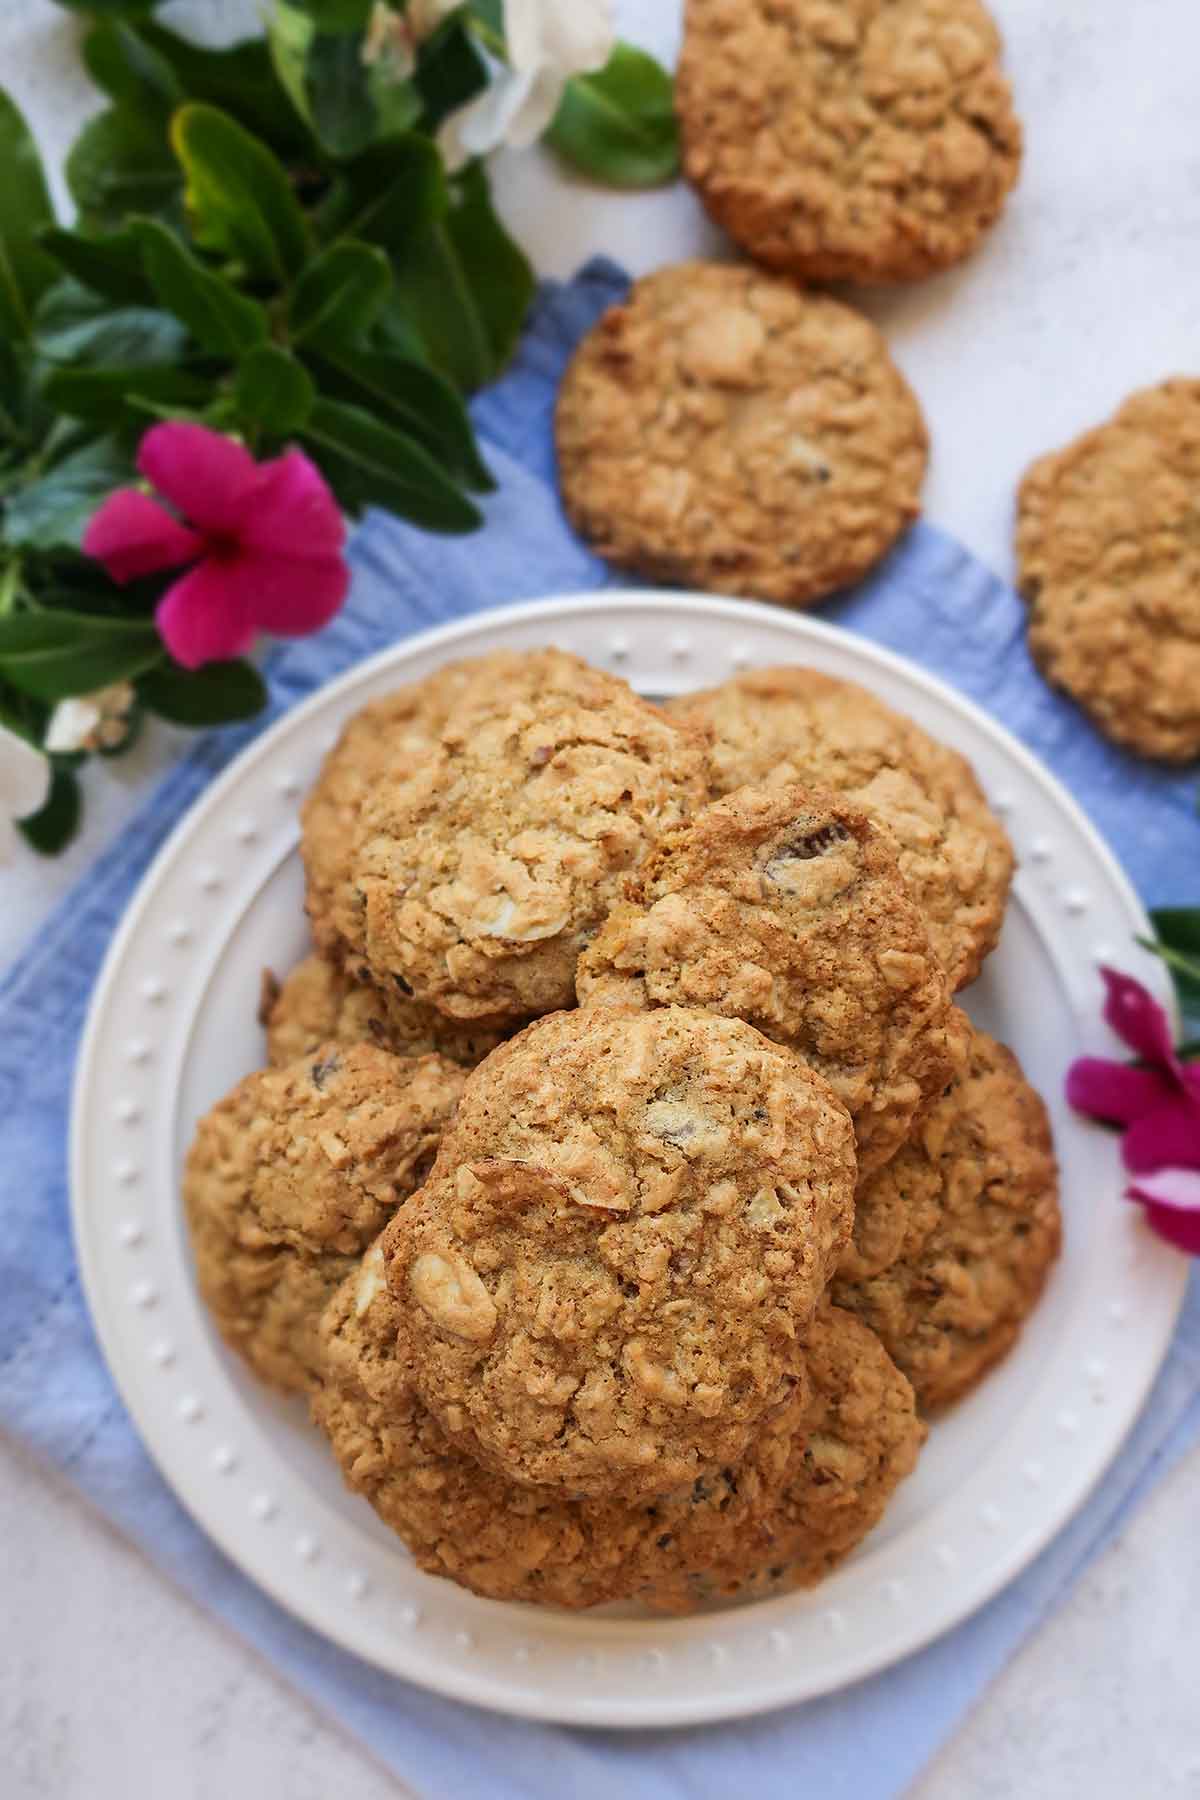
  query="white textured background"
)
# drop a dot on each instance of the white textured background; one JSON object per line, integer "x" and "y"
{"x": 114, "y": 1688}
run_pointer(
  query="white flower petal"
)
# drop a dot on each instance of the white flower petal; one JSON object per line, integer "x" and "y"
{"x": 484, "y": 123}
{"x": 572, "y": 36}
{"x": 71, "y": 724}
{"x": 24, "y": 777}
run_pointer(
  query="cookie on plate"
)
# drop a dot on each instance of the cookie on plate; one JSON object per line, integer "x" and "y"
{"x": 484, "y": 870}
{"x": 291, "y": 1176}
{"x": 1109, "y": 561}
{"x": 607, "y": 1277}
{"x": 785, "y": 906}
{"x": 813, "y": 1481}
{"x": 320, "y": 1003}
{"x": 722, "y": 429}
{"x": 970, "y": 1208}
{"x": 847, "y": 140}
{"x": 771, "y": 727}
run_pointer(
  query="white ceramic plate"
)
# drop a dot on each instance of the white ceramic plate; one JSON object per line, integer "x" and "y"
{"x": 172, "y": 1027}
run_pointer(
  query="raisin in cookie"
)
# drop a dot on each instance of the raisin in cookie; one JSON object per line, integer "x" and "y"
{"x": 320, "y": 1003}
{"x": 485, "y": 870}
{"x": 292, "y": 1175}
{"x": 1109, "y": 555}
{"x": 813, "y": 1481}
{"x": 971, "y": 1208}
{"x": 771, "y": 727}
{"x": 785, "y": 906}
{"x": 607, "y": 1277}
{"x": 722, "y": 429}
{"x": 847, "y": 140}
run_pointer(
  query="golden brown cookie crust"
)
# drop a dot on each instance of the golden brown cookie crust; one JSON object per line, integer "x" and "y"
{"x": 485, "y": 871}
{"x": 292, "y": 1175}
{"x": 722, "y": 429}
{"x": 814, "y": 1479}
{"x": 847, "y": 140}
{"x": 1109, "y": 561}
{"x": 772, "y": 727}
{"x": 607, "y": 1277}
{"x": 973, "y": 1200}
{"x": 320, "y": 1003}
{"x": 785, "y": 906}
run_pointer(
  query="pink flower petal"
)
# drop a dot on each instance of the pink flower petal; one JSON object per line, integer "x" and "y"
{"x": 1113, "y": 1090}
{"x": 1168, "y": 1135}
{"x": 133, "y": 535}
{"x": 210, "y": 479}
{"x": 294, "y": 595}
{"x": 1172, "y": 1202}
{"x": 203, "y": 617}
{"x": 1139, "y": 1020}
{"x": 295, "y": 513}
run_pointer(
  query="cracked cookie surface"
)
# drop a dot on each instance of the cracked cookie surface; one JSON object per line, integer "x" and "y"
{"x": 608, "y": 1275}
{"x": 772, "y": 727}
{"x": 722, "y": 429}
{"x": 291, "y": 1177}
{"x": 1108, "y": 548}
{"x": 785, "y": 906}
{"x": 813, "y": 1481}
{"x": 970, "y": 1207}
{"x": 320, "y": 1002}
{"x": 485, "y": 870}
{"x": 847, "y": 140}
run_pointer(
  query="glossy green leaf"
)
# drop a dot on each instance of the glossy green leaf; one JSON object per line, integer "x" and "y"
{"x": 339, "y": 294}
{"x": 389, "y": 194}
{"x": 370, "y": 464}
{"x": 54, "y": 655}
{"x": 238, "y": 194}
{"x": 131, "y": 73}
{"x": 110, "y": 396}
{"x": 25, "y": 269}
{"x": 338, "y": 94}
{"x": 619, "y": 124}
{"x": 1177, "y": 932}
{"x": 52, "y": 512}
{"x": 117, "y": 9}
{"x": 217, "y": 316}
{"x": 218, "y": 694}
{"x": 119, "y": 164}
{"x": 109, "y": 263}
{"x": 240, "y": 79}
{"x": 273, "y": 391}
{"x": 289, "y": 34}
{"x": 52, "y": 829}
{"x": 121, "y": 336}
{"x": 336, "y": 15}
{"x": 450, "y": 72}
{"x": 412, "y": 397}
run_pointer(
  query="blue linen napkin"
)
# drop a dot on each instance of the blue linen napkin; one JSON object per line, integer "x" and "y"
{"x": 932, "y": 600}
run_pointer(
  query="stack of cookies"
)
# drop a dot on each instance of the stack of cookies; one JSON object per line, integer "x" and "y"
{"x": 626, "y": 1190}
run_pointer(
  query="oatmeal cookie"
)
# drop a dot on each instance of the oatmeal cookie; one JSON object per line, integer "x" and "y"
{"x": 771, "y": 727}
{"x": 320, "y": 1003}
{"x": 292, "y": 1175}
{"x": 847, "y": 140}
{"x": 722, "y": 429}
{"x": 813, "y": 1481}
{"x": 785, "y": 906}
{"x": 971, "y": 1208}
{"x": 485, "y": 870}
{"x": 607, "y": 1277}
{"x": 1109, "y": 558}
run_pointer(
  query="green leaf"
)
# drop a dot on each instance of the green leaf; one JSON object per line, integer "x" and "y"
{"x": 54, "y": 655}
{"x": 131, "y": 73}
{"x": 336, "y": 15}
{"x": 121, "y": 163}
{"x": 123, "y": 336}
{"x": 289, "y": 34}
{"x": 273, "y": 391}
{"x": 110, "y": 396}
{"x": 238, "y": 194}
{"x": 25, "y": 269}
{"x": 109, "y": 263}
{"x": 52, "y": 829}
{"x": 338, "y": 94}
{"x": 117, "y": 9}
{"x": 241, "y": 80}
{"x": 369, "y": 464}
{"x": 619, "y": 125}
{"x": 414, "y": 398}
{"x": 466, "y": 286}
{"x": 387, "y": 195}
{"x": 218, "y": 694}
{"x": 339, "y": 294}
{"x": 218, "y": 317}
{"x": 450, "y": 72}
{"x": 52, "y": 512}
{"x": 1177, "y": 930}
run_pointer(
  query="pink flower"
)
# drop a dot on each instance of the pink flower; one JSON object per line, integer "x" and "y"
{"x": 1171, "y": 1198}
{"x": 264, "y": 540}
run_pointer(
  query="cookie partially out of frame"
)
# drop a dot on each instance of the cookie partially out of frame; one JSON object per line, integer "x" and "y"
{"x": 722, "y": 429}
{"x": 1109, "y": 559}
{"x": 847, "y": 140}
{"x": 320, "y": 1002}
